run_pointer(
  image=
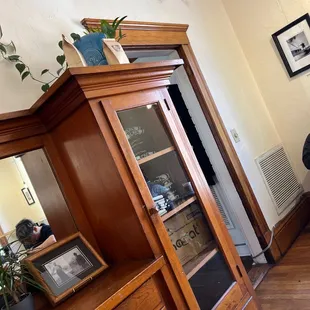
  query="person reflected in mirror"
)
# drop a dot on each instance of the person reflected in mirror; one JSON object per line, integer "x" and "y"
{"x": 34, "y": 237}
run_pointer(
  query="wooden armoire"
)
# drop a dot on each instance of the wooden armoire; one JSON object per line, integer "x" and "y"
{"x": 134, "y": 189}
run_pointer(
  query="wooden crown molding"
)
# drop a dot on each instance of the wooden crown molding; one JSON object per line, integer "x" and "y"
{"x": 147, "y": 33}
{"x": 20, "y": 128}
{"x": 79, "y": 84}
{"x": 117, "y": 79}
{"x": 137, "y": 25}
{"x": 101, "y": 78}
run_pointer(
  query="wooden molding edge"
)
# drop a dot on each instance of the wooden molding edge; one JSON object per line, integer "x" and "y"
{"x": 147, "y": 34}
{"x": 138, "y": 25}
{"x": 20, "y": 128}
{"x": 105, "y": 80}
{"x": 290, "y": 227}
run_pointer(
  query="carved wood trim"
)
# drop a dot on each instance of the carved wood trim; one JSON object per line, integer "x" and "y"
{"x": 94, "y": 82}
{"x": 138, "y": 25}
{"x": 147, "y": 33}
{"x": 19, "y": 128}
{"x": 14, "y": 147}
{"x": 53, "y": 111}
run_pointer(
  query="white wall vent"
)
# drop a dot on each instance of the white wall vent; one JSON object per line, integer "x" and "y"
{"x": 225, "y": 215}
{"x": 279, "y": 178}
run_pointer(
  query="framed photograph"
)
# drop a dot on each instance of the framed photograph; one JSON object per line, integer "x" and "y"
{"x": 28, "y": 196}
{"x": 65, "y": 266}
{"x": 293, "y": 44}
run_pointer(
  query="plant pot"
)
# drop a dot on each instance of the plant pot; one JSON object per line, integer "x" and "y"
{"x": 26, "y": 304}
{"x": 114, "y": 52}
{"x": 90, "y": 46}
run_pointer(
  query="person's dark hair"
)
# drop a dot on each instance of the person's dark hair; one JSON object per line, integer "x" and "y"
{"x": 24, "y": 229}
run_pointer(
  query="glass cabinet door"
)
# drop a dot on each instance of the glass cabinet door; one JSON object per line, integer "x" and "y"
{"x": 153, "y": 152}
{"x": 176, "y": 202}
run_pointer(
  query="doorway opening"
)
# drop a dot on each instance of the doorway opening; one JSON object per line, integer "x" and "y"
{"x": 211, "y": 162}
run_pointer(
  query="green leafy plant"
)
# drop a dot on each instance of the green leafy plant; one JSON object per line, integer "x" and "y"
{"x": 8, "y": 52}
{"x": 14, "y": 276}
{"x": 110, "y": 30}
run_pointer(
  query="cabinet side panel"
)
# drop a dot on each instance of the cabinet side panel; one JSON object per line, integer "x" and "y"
{"x": 99, "y": 186}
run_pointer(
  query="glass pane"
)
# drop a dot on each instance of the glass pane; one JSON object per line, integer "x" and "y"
{"x": 176, "y": 202}
{"x": 144, "y": 131}
{"x": 189, "y": 233}
{"x": 166, "y": 179}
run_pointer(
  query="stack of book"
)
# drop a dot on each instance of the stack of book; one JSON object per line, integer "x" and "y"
{"x": 161, "y": 204}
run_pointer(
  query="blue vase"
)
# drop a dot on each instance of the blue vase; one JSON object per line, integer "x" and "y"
{"x": 91, "y": 47}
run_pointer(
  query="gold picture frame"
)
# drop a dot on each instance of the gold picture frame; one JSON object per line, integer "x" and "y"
{"x": 64, "y": 267}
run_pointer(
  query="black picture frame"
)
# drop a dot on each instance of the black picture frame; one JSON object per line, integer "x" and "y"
{"x": 65, "y": 266}
{"x": 28, "y": 196}
{"x": 286, "y": 57}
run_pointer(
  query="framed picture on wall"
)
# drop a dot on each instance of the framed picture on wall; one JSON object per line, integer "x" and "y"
{"x": 65, "y": 266}
{"x": 28, "y": 196}
{"x": 293, "y": 44}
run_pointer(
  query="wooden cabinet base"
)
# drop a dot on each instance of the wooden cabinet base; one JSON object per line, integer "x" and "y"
{"x": 145, "y": 297}
{"x": 109, "y": 289}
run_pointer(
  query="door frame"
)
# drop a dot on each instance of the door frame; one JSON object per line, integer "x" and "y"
{"x": 151, "y": 35}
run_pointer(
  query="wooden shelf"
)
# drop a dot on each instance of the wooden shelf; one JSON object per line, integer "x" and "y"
{"x": 158, "y": 154}
{"x": 109, "y": 289}
{"x": 200, "y": 260}
{"x": 183, "y": 205}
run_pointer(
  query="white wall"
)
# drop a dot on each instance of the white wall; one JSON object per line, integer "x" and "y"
{"x": 287, "y": 99}
{"x": 36, "y": 27}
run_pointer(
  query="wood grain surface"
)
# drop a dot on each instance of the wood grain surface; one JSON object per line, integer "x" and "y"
{"x": 98, "y": 184}
{"x": 145, "y": 297}
{"x": 109, "y": 289}
{"x": 287, "y": 285}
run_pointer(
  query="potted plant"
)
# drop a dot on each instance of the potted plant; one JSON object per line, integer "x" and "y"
{"x": 89, "y": 45}
{"x": 15, "y": 279}
{"x": 92, "y": 48}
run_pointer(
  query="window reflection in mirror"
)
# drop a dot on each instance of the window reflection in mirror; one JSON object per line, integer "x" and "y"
{"x": 27, "y": 186}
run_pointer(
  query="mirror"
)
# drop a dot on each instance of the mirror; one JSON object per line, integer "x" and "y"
{"x": 33, "y": 209}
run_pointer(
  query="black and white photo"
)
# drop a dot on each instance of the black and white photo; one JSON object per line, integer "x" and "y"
{"x": 64, "y": 266}
{"x": 292, "y": 42}
{"x": 28, "y": 196}
{"x": 67, "y": 266}
{"x": 299, "y": 46}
